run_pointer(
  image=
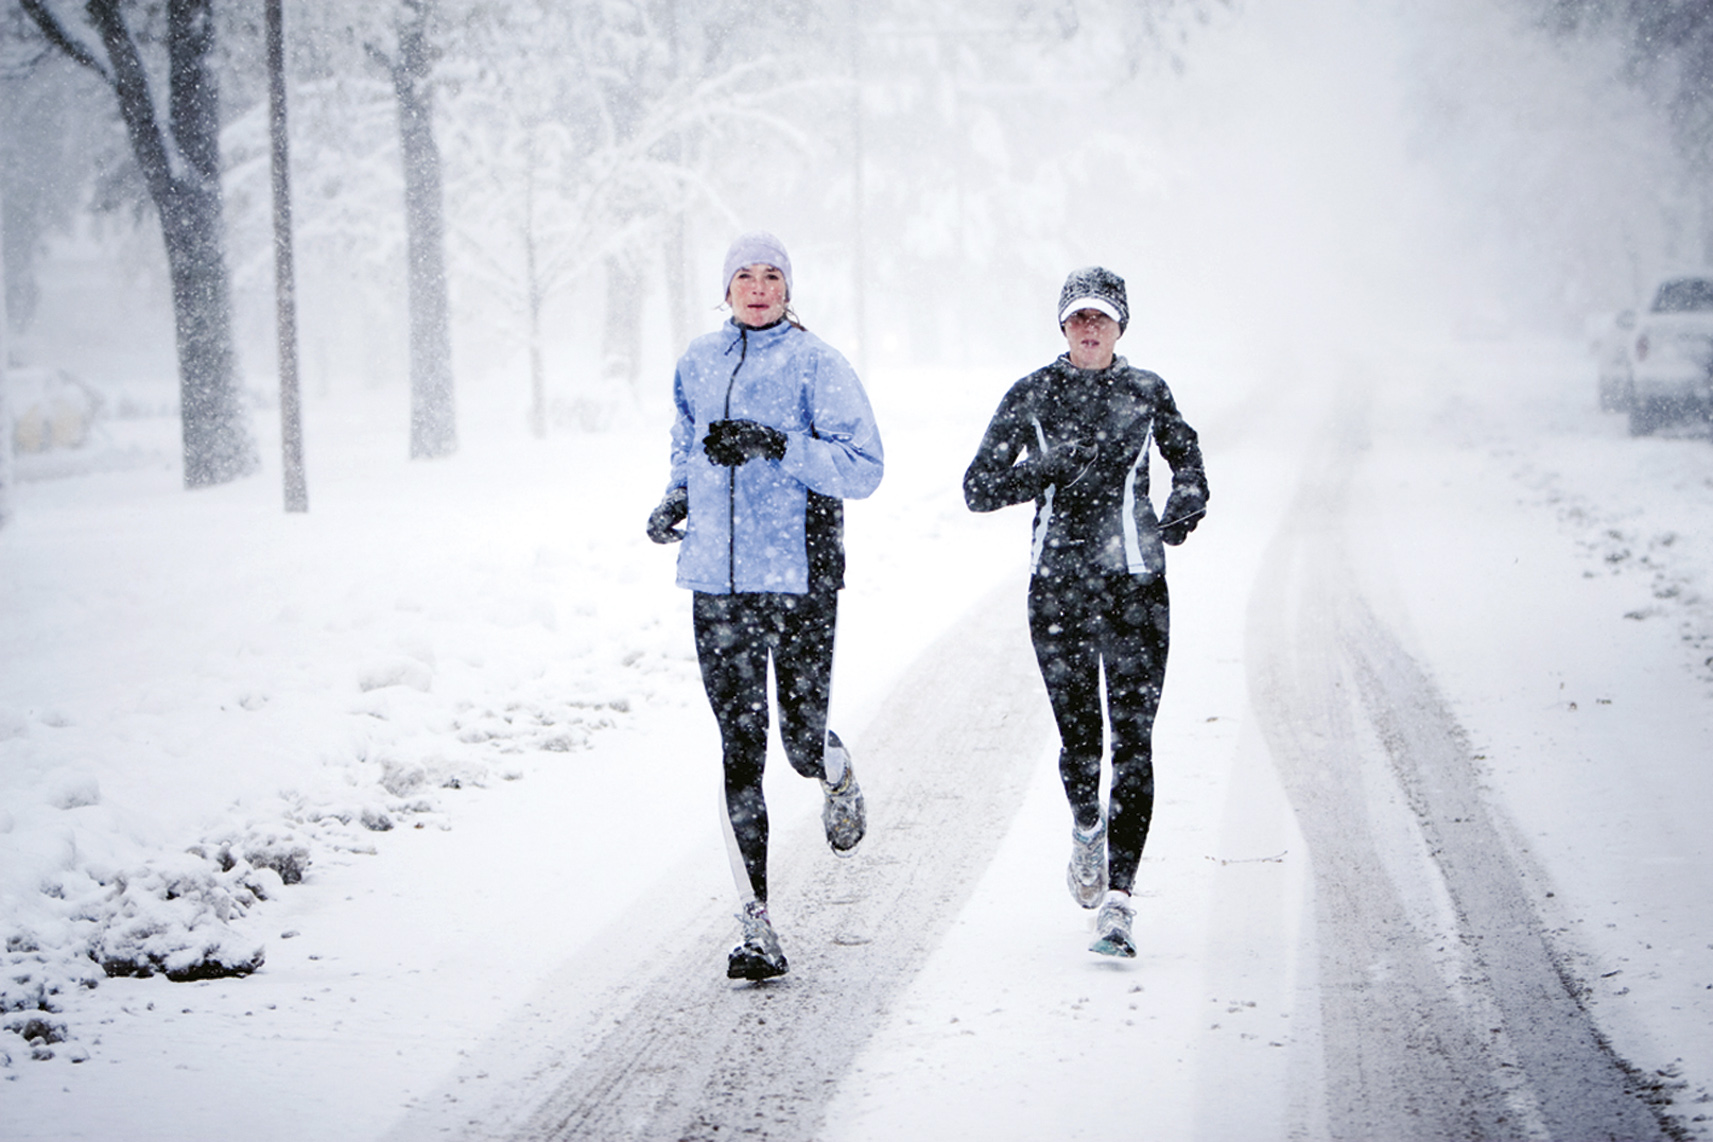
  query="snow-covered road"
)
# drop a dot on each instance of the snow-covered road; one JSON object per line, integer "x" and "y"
{"x": 1445, "y": 1011}
{"x": 1393, "y": 879}
{"x": 698, "y": 1057}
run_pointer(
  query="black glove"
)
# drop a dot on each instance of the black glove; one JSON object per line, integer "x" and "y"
{"x": 734, "y": 442}
{"x": 674, "y": 508}
{"x": 1184, "y": 508}
{"x": 1063, "y": 463}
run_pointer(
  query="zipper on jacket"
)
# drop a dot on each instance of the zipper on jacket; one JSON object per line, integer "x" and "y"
{"x": 732, "y": 474}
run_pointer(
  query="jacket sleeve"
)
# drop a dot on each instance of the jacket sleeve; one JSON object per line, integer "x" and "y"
{"x": 841, "y": 456}
{"x": 1000, "y": 475}
{"x": 1181, "y": 447}
{"x": 683, "y": 432}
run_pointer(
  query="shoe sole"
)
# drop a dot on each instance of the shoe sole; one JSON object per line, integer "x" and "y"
{"x": 1105, "y": 947}
{"x": 846, "y": 850}
{"x": 754, "y": 970}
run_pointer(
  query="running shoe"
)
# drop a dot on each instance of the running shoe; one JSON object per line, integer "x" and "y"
{"x": 1086, "y": 874}
{"x": 759, "y": 956}
{"x": 843, "y": 816}
{"x": 1112, "y": 926}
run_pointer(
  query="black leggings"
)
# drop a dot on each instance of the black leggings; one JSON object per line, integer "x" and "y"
{"x": 735, "y": 634}
{"x": 1079, "y": 624}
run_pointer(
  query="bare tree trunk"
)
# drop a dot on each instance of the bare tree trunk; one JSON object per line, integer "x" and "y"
{"x": 677, "y": 285}
{"x": 1704, "y": 215}
{"x": 621, "y": 344}
{"x": 285, "y": 276}
{"x": 676, "y": 249}
{"x": 217, "y": 442}
{"x": 433, "y": 430}
{"x": 859, "y": 251}
{"x": 534, "y": 294}
{"x": 6, "y": 430}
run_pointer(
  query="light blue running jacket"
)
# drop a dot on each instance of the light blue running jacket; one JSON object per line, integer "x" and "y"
{"x": 746, "y": 527}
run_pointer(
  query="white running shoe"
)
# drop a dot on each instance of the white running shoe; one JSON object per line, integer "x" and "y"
{"x": 1112, "y": 926}
{"x": 843, "y": 816}
{"x": 1086, "y": 873}
{"x": 759, "y": 956}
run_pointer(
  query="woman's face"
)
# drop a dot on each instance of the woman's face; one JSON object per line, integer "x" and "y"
{"x": 1091, "y": 336}
{"x": 757, "y": 295}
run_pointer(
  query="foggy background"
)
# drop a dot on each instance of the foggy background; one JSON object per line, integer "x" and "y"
{"x": 1273, "y": 179}
{"x": 1436, "y": 204}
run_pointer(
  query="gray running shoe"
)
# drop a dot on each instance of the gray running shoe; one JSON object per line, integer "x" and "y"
{"x": 843, "y": 816}
{"x": 1112, "y": 926}
{"x": 759, "y": 956}
{"x": 1086, "y": 874}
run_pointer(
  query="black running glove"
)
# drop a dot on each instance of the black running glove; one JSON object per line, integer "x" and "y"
{"x": 1184, "y": 508}
{"x": 1063, "y": 463}
{"x": 662, "y": 521}
{"x": 734, "y": 442}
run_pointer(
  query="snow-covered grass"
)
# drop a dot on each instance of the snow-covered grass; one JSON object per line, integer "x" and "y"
{"x": 207, "y": 701}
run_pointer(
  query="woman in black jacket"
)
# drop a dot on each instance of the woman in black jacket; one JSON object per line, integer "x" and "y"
{"x": 1074, "y": 437}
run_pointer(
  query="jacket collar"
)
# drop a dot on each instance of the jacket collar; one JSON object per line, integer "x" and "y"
{"x": 758, "y": 338}
{"x": 1062, "y": 365}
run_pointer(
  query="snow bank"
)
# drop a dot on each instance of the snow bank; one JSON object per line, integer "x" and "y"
{"x": 205, "y": 699}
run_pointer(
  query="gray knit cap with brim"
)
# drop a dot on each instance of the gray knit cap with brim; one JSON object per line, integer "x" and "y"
{"x": 758, "y": 247}
{"x": 1097, "y": 288}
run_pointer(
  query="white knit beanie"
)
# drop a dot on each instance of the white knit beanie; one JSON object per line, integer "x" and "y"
{"x": 757, "y": 247}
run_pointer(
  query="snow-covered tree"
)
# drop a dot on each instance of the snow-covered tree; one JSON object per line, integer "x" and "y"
{"x": 409, "y": 66}
{"x": 179, "y": 158}
{"x": 1669, "y": 56}
{"x": 6, "y": 474}
{"x": 596, "y": 155}
{"x": 57, "y": 128}
{"x": 578, "y": 148}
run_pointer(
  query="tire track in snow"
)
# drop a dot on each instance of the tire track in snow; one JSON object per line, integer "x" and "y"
{"x": 1444, "y": 1011}
{"x": 944, "y": 766}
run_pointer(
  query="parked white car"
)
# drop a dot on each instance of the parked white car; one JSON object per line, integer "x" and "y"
{"x": 1671, "y": 355}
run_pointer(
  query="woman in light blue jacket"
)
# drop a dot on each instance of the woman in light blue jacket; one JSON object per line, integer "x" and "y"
{"x": 773, "y": 431}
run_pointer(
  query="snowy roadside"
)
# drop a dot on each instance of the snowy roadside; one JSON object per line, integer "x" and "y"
{"x": 1553, "y": 571}
{"x": 207, "y": 702}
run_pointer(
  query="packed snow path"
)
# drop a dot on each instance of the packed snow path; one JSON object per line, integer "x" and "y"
{"x": 701, "y": 1057}
{"x": 452, "y": 981}
{"x": 1444, "y": 1009}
